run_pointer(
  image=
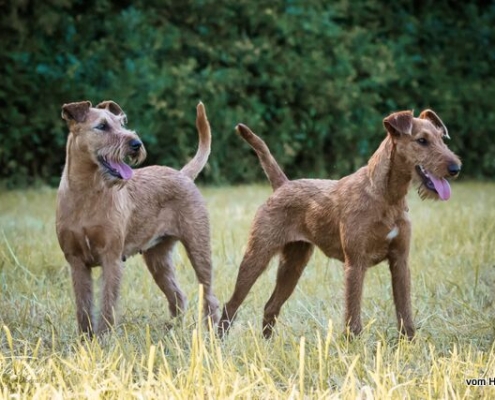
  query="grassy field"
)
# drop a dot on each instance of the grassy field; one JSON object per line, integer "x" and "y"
{"x": 149, "y": 356}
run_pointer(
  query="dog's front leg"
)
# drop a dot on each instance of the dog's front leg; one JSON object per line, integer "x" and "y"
{"x": 112, "y": 275}
{"x": 401, "y": 286}
{"x": 354, "y": 278}
{"x": 83, "y": 291}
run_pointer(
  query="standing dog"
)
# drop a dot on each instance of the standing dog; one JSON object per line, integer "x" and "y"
{"x": 107, "y": 211}
{"x": 361, "y": 219}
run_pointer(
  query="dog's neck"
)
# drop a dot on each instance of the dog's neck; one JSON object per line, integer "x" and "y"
{"x": 80, "y": 171}
{"x": 389, "y": 173}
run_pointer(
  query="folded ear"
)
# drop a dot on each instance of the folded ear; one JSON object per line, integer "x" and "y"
{"x": 435, "y": 120}
{"x": 76, "y": 111}
{"x": 114, "y": 108}
{"x": 399, "y": 123}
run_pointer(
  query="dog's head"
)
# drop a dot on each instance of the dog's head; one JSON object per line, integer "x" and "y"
{"x": 420, "y": 141}
{"x": 99, "y": 135}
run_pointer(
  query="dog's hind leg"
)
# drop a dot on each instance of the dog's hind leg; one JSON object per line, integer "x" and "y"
{"x": 293, "y": 260}
{"x": 258, "y": 254}
{"x": 159, "y": 262}
{"x": 197, "y": 245}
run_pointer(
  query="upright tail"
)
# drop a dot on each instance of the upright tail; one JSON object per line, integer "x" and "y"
{"x": 272, "y": 170}
{"x": 194, "y": 167}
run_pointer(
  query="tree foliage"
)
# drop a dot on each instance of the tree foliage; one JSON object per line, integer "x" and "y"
{"x": 314, "y": 78}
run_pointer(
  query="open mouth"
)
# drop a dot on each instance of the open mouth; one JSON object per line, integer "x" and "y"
{"x": 438, "y": 185}
{"x": 117, "y": 169}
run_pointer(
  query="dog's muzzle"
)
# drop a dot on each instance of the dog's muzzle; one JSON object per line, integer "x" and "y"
{"x": 117, "y": 169}
{"x": 438, "y": 185}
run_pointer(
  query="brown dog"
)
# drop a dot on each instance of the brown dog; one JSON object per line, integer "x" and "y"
{"x": 361, "y": 219}
{"x": 107, "y": 212}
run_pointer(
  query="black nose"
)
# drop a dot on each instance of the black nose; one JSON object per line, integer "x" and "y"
{"x": 135, "y": 144}
{"x": 454, "y": 169}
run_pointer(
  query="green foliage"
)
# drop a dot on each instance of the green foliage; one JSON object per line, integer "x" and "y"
{"x": 314, "y": 78}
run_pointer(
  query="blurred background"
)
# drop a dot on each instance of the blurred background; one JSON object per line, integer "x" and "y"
{"x": 314, "y": 78}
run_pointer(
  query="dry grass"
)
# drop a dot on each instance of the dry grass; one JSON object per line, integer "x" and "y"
{"x": 453, "y": 269}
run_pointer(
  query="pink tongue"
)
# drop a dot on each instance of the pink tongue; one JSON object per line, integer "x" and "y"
{"x": 442, "y": 187}
{"x": 122, "y": 168}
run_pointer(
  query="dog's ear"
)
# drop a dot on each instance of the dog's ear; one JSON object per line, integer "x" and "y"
{"x": 435, "y": 120}
{"x": 399, "y": 123}
{"x": 76, "y": 111}
{"x": 114, "y": 108}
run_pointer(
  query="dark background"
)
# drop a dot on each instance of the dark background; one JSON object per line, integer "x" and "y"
{"x": 315, "y": 78}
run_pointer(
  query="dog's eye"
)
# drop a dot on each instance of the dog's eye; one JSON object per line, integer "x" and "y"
{"x": 422, "y": 141}
{"x": 102, "y": 127}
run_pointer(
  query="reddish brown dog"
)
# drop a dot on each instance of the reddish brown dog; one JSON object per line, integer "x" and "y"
{"x": 107, "y": 211}
{"x": 361, "y": 219}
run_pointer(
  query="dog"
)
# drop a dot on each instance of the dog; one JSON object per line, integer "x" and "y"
{"x": 107, "y": 212}
{"x": 361, "y": 219}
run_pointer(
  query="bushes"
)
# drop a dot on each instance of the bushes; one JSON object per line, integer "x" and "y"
{"x": 314, "y": 78}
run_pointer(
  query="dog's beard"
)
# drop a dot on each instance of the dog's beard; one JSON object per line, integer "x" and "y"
{"x": 425, "y": 193}
{"x": 138, "y": 157}
{"x": 115, "y": 164}
{"x": 430, "y": 186}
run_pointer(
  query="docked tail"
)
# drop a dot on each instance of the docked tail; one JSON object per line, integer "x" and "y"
{"x": 272, "y": 170}
{"x": 194, "y": 167}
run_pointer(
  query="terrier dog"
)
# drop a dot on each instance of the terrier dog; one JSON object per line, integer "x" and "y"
{"x": 107, "y": 212}
{"x": 361, "y": 219}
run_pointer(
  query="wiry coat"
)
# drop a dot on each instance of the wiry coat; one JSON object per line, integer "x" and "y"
{"x": 107, "y": 212}
{"x": 361, "y": 219}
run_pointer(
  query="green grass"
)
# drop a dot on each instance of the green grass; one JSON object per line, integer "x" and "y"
{"x": 149, "y": 356}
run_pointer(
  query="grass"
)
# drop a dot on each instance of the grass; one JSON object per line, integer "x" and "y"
{"x": 149, "y": 356}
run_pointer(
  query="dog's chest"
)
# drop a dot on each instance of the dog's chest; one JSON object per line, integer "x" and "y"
{"x": 379, "y": 246}
{"x": 394, "y": 232}
{"x": 384, "y": 236}
{"x": 76, "y": 243}
{"x": 87, "y": 228}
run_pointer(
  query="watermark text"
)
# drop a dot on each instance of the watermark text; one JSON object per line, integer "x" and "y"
{"x": 480, "y": 381}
